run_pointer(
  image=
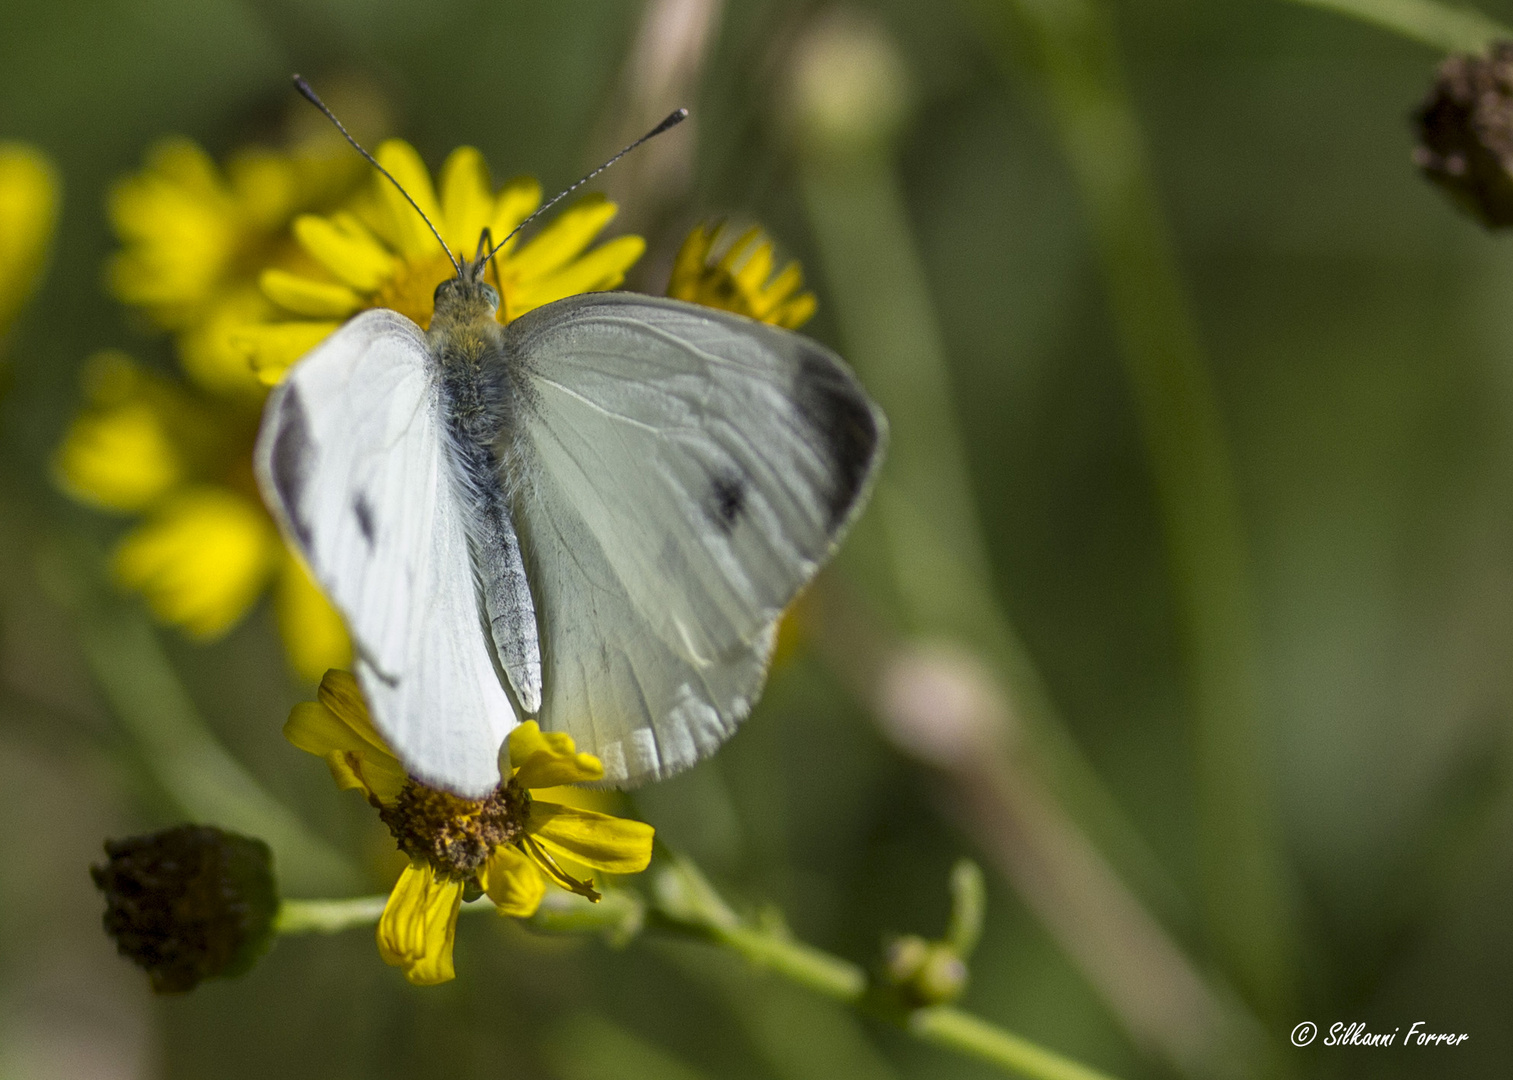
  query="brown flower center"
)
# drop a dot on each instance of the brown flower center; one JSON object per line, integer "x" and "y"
{"x": 455, "y": 835}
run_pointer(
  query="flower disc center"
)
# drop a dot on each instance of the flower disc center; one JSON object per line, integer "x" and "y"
{"x": 456, "y": 835}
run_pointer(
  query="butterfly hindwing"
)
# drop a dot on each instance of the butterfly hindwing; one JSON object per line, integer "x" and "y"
{"x": 683, "y": 473}
{"x": 350, "y": 458}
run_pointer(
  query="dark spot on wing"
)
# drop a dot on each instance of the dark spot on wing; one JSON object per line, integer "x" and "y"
{"x": 364, "y": 511}
{"x": 726, "y": 501}
{"x": 291, "y": 460}
{"x": 842, "y": 421}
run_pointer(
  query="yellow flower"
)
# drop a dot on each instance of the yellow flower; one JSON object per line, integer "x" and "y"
{"x": 741, "y": 279}
{"x": 129, "y": 447}
{"x": 206, "y": 548}
{"x": 379, "y": 253}
{"x": 195, "y": 235}
{"x": 28, "y": 211}
{"x": 508, "y": 845}
{"x": 201, "y": 561}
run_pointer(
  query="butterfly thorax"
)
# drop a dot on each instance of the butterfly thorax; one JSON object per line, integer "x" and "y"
{"x": 481, "y": 391}
{"x": 467, "y": 344}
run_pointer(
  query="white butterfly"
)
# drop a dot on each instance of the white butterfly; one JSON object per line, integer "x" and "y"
{"x": 604, "y": 506}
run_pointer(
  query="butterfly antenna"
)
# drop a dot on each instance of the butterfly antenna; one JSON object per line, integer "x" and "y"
{"x": 672, "y": 121}
{"x": 310, "y": 95}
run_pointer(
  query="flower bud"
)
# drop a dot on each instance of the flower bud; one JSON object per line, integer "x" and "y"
{"x": 1466, "y": 134}
{"x": 188, "y": 903}
{"x": 922, "y": 972}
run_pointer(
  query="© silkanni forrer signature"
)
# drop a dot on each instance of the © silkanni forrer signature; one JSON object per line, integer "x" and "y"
{"x": 1357, "y": 1034}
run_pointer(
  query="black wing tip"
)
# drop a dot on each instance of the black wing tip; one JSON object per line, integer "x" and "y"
{"x": 848, "y": 425}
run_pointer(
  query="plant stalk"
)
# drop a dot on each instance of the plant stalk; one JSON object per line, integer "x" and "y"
{"x": 695, "y": 909}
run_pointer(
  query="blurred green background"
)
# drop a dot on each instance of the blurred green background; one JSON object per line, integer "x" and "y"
{"x": 1359, "y": 337}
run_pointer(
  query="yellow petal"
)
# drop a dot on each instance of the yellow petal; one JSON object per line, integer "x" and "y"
{"x": 796, "y": 312}
{"x": 211, "y": 352}
{"x": 354, "y": 761}
{"x": 688, "y": 265}
{"x": 516, "y": 201}
{"x": 340, "y": 693}
{"x": 513, "y": 882}
{"x": 741, "y": 280}
{"x": 265, "y": 184}
{"x": 546, "y": 759}
{"x": 118, "y": 458}
{"x": 305, "y": 296}
{"x": 561, "y": 241}
{"x": 315, "y": 638}
{"x": 419, "y": 925}
{"x": 311, "y": 727}
{"x": 140, "y": 436}
{"x": 756, "y": 270}
{"x": 404, "y": 164}
{"x": 183, "y": 230}
{"x": 345, "y": 247}
{"x": 201, "y": 562}
{"x": 273, "y": 348}
{"x": 601, "y": 799}
{"x": 29, "y": 191}
{"x": 467, "y": 202}
{"x": 602, "y": 268}
{"x": 787, "y": 281}
{"x": 736, "y": 252}
{"x": 614, "y": 845}
{"x": 187, "y": 166}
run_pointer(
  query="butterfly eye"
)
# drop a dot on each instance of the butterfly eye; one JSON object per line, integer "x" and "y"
{"x": 491, "y": 294}
{"x": 442, "y": 290}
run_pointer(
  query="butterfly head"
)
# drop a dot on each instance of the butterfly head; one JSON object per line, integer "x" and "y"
{"x": 465, "y": 298}
{"x": 468, "y": 295}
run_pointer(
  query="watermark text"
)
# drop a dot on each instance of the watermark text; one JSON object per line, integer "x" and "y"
{"x": 1357, "y": 1034}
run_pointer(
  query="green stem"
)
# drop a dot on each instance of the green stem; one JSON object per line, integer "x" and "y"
{"x": 795, "y": 961}
{"x": 689, "y": 906}
{"x": 1245, "y": 902}
{"x": 334, "y": 916}
{"x": 327, "y": 916}
{"x": 1441, "y": 26}
{"x": 942, "y": 1025}
{"x": 686, "y": 902}
{"x": 963, "y": 1032}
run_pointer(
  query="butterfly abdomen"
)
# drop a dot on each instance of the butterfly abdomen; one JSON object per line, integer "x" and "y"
{"x": 478, "y": 404}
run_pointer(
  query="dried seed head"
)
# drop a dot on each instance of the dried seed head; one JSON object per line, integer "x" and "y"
{"x": 1466, "y": 134}
{"x": 188, "y": 903}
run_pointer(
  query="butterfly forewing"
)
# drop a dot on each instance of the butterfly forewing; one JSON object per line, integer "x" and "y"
{"x": 350, "y": 458}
